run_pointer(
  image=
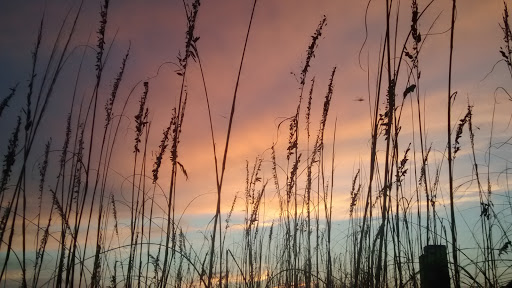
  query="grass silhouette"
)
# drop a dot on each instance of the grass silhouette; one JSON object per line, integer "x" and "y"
{"x": 86, "y": 234}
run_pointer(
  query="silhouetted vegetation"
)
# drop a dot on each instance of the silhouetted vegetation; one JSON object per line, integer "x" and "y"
{"x": 84, "y": 234}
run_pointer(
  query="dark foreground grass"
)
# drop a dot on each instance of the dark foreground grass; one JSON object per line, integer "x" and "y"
{"x": 86, "y": 235}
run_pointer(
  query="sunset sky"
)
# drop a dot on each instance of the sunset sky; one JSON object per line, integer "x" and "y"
{"x": 268, "y": 91}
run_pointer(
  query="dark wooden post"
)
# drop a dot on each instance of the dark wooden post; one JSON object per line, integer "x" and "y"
{"x": 434, "y": 267}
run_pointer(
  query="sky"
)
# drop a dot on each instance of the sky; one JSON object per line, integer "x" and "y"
{"x": 269, "y": 89}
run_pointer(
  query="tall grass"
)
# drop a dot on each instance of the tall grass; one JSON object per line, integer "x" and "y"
{"x": 83, "y": 225}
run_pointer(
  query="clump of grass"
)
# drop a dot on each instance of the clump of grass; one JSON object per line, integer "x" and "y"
{"x": 298, "y": 247}
{"x": 5, "y": 102}
{"x": 10, "y": 158}
{"x": 458, "y": 133}
{"x": 141, "y": 118}
{"x": 506, "y": 51}
{"x": 113, "y": 95}
{"x": 354, "y": 193}
{"x": 162, "y": 148}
